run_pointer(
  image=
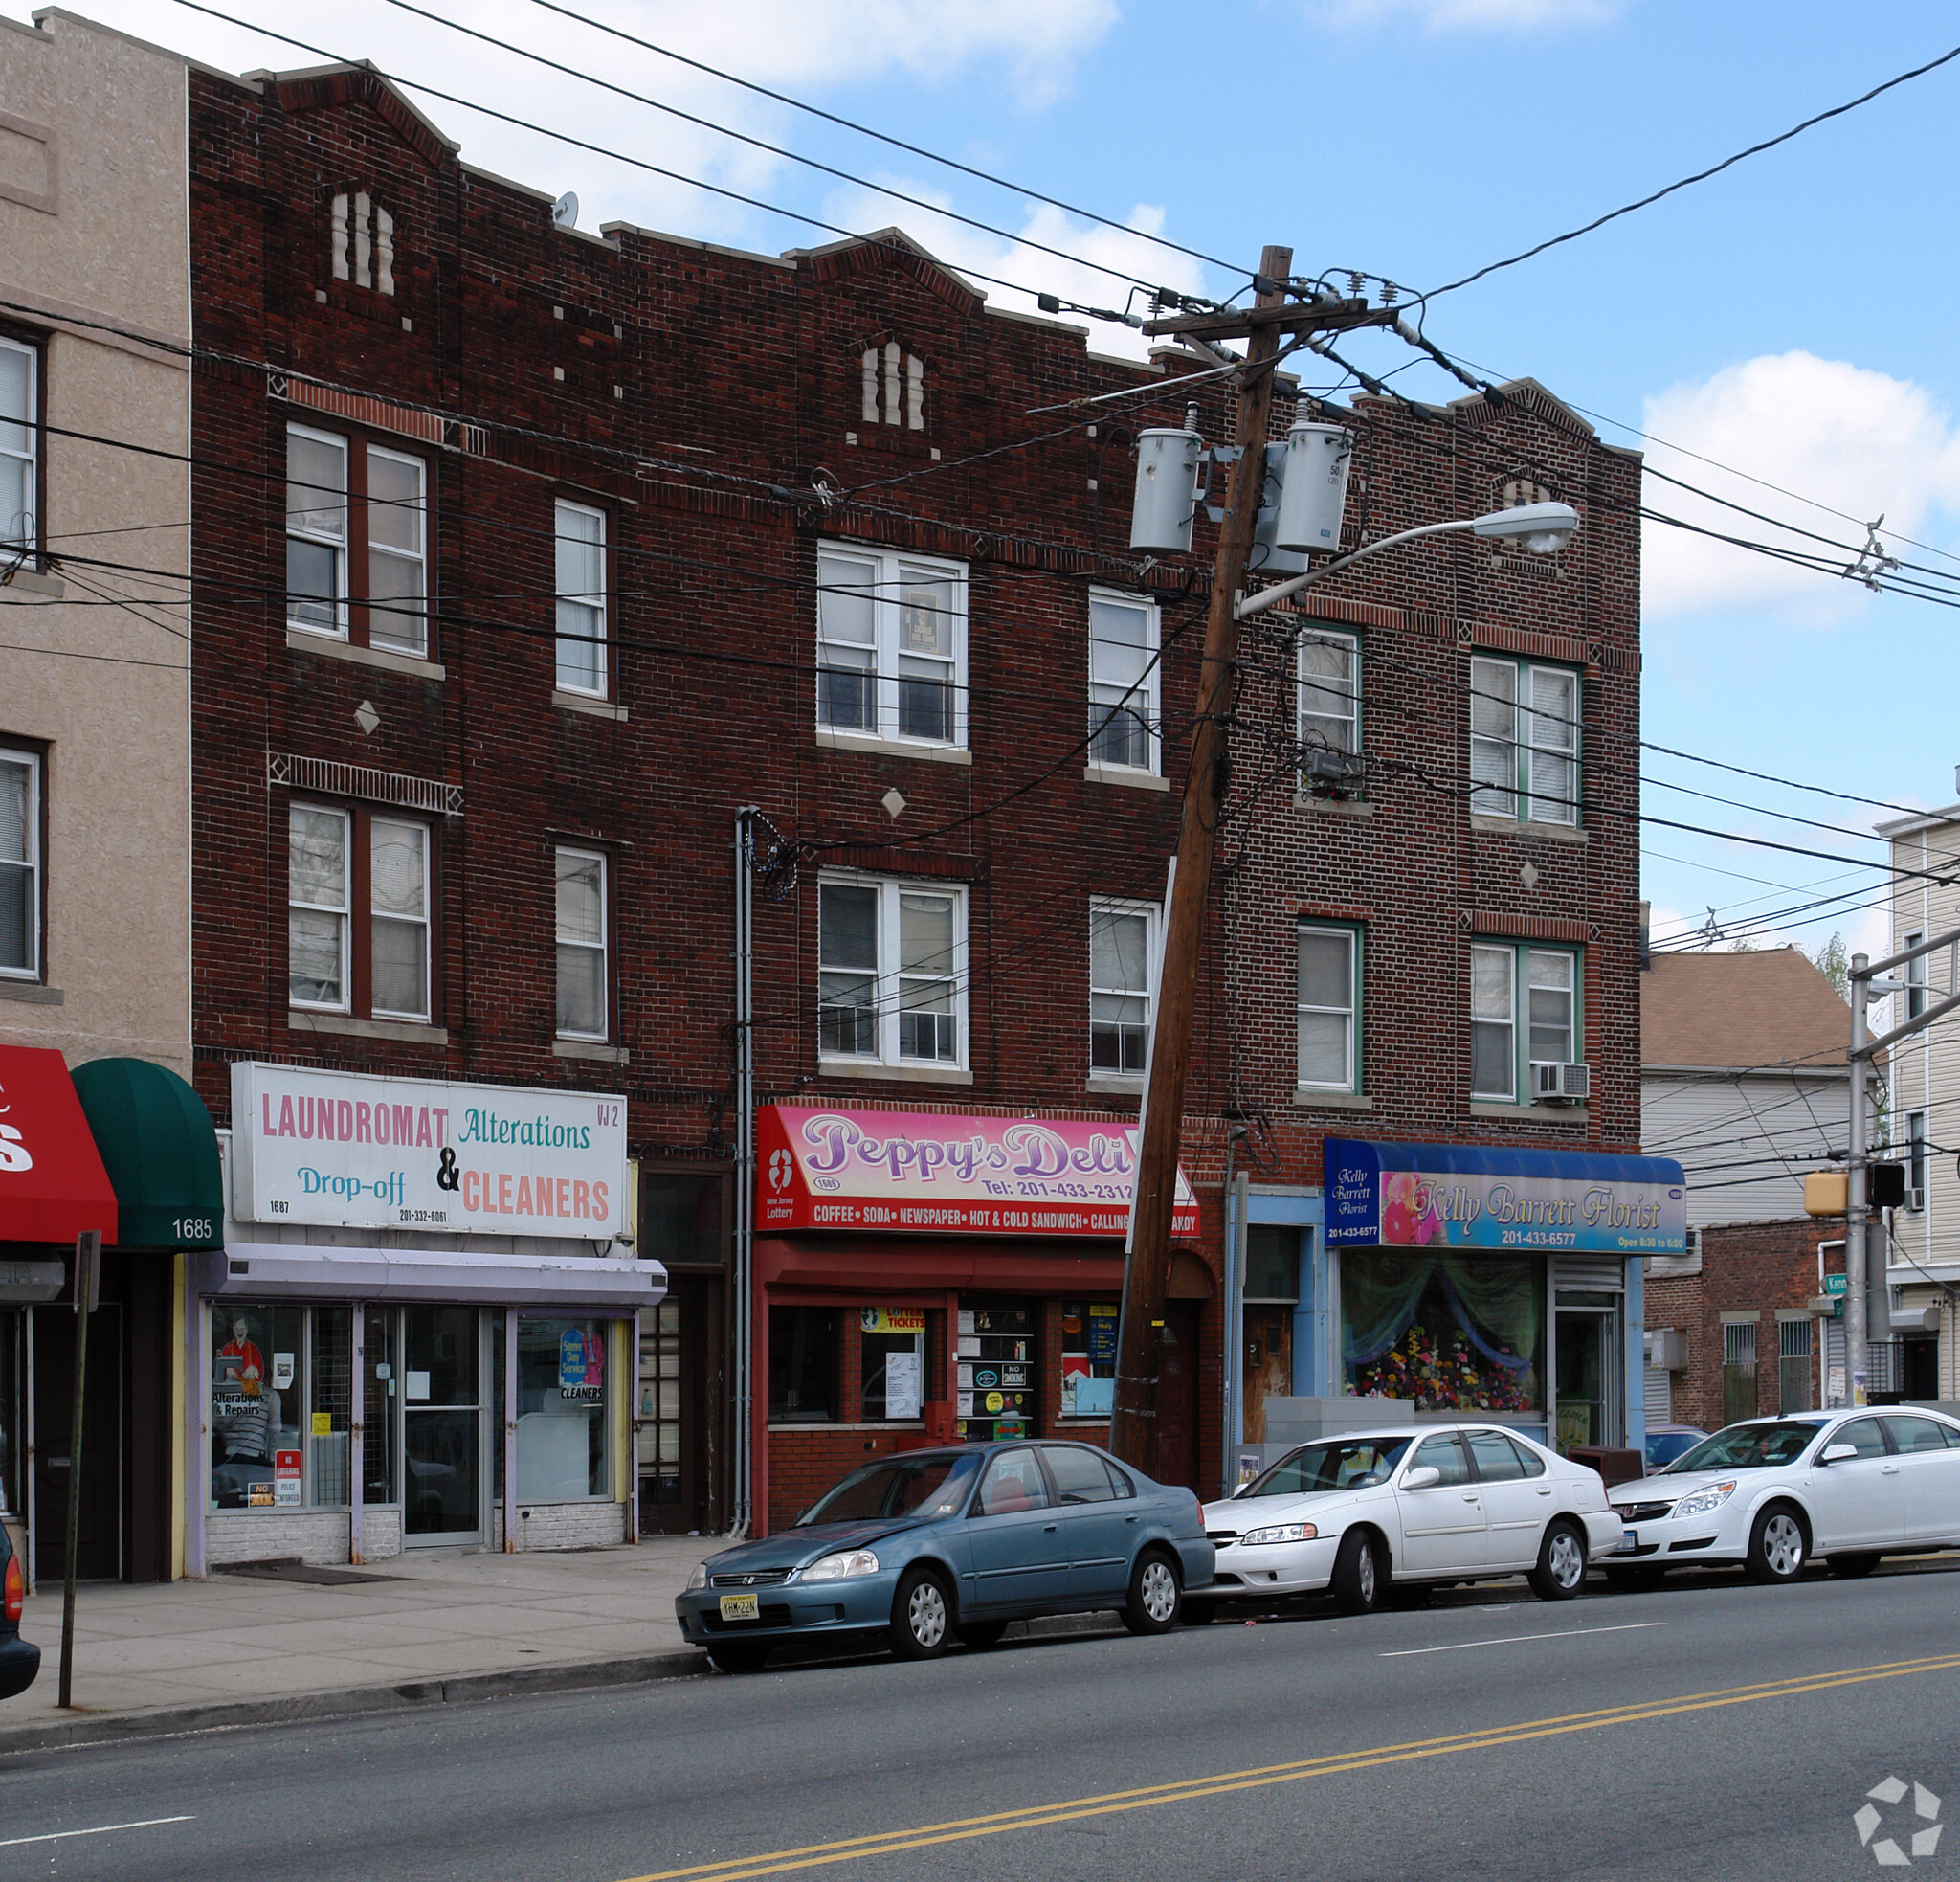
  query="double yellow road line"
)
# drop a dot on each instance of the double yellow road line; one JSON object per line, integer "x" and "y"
{"x": 1075, "y": 1809}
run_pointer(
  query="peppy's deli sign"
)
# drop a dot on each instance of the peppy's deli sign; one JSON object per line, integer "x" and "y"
{"x": 347, "y": 1151}
{"x": 1458, "y": 1196}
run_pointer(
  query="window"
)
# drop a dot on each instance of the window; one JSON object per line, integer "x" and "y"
{"x": 803, "y": 1365}
{"x": 1272, "y": 1265}
{"x": 891, "y": 1353}
{"x": 1122, "y": 683}
{"x": 359, "y": 900}
{"x": 891, "y": 646}
{"x": 1329, "y": 690}
{"x": 1524, "y": 741}
{"x": 1541, "y": 983}
{"x": 20, "y": 436}
{"x": 1445, "y": 1454}
{"x": 583, "y": 982}
{"x": 281, "y": 1383}
{"x": 1915, "y": 980}
{"x": 1739, "y": 1372}
{"x": 357, "y": 555}
{"x": 1497, "y": 1460}
{"x": 1327, "y": 1009}
{"x": 1794, "y": 1366}
{"x": 1456, "y": 1332}
{"x": 1088, "y": 1358}
{"x": 581, "y": 599}
{"x": 1013, "y": 1481}
{"x": 1915, "y": 1155}
{"x": 1120, "y": 946}
{"x": 891, "y": 961}
{"x": 562, "y": 1400}
{"x": 20, "y": 865}
{"x": 1080, "y": 1475}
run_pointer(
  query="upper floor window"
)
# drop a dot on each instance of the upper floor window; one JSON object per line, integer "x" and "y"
{"x": 20, "y": 438}
{"x": 583, "y": 945}
{"x": 1524, "y": 1011}
{"x": 1915, "y": 980}
{"x": 1329, "y": 690}
{"x": 891, "y": 645}
{"x": 582, "y": 666}
{"x": 358, "y": 914}
{"x": 894, "y": 387}
{"x": 891, "y": 960}
{"x": 357, "y": 552}
{"x": 1123, "y": 681}
{"x": 1524, "y": 741}
{"x": 1327, "y": 1009}
{"x": 363, "y": 243}
{"x": 1915, "y": 1159}
{"x": 20, "y": 865}
{"x": 1122, "y": 943}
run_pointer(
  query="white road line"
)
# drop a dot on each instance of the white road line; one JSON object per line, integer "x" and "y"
{"x": 100, "y": 1829}
{"x": 1512, "y": 1640}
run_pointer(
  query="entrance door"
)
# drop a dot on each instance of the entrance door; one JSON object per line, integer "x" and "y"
{"x": 674, "y": 1420}
{"x": 98, "y": 1556}
{"x": 441, "y": 1424}
{"x": 1587, "y": 1406}
{"x": 1174, "y": 1440}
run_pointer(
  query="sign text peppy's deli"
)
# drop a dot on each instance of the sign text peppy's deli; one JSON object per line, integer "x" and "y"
{"x": 345, "y": 1150}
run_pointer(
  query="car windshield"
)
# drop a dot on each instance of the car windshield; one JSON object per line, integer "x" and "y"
{"x": 1664, "y": 1447}
{"x": 1747, "y": 1447}
{"x": 1339, "y": 1464}
{"x": 929, "y": 1484}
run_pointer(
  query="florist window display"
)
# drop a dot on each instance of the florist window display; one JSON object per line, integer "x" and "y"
{"x": 1456, "y": 1333}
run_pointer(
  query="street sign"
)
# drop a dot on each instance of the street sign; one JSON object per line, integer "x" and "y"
{"x": 1835, "y": 1284}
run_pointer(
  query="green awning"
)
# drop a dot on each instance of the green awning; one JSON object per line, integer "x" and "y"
{"x": 162, "y": 1155}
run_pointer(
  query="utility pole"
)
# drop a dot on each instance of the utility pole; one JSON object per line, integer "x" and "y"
{"x": 1132, "y": 1421}
{"x": 88, "y": 1268}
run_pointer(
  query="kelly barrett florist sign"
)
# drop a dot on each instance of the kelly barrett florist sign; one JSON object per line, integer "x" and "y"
{"x": 933, "y": 1173}
{"x": 345, "y": 1150}
{"x": 1454, "y": 1196}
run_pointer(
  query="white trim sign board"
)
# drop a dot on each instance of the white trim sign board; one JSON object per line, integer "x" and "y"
{"x": 346, "y": 1150}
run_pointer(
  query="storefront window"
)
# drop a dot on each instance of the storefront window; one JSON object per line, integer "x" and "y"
{"x": 381, "y": 1407}
{"x": 332, "y": 1397}
{"x": 1088, "y": 1359}
{"x": 803, "y": 1365}
{"x": 1454, "y": 1331}
{"x": 12, "y": 1489}
{"x": 256, "y": 1399}
{"x": 996, "y": 1362}
{"x": 561, "y": 1410}
{"x": 892, "y": 1361}
{"x": 679, "y": 1217}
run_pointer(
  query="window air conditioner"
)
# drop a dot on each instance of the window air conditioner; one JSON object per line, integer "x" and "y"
{"x": 1915, "y": 1200}
{"x": 1331, "y": 773}
{"x": 1555, "y": 1084}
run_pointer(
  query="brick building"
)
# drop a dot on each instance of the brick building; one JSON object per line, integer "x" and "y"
{"x": 635, "y": 677}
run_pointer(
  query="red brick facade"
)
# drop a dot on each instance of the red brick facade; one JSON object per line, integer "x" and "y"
{"x": 709, "y": 404}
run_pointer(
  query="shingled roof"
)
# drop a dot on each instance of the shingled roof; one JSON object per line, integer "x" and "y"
{"x": 1771, "y": 1009}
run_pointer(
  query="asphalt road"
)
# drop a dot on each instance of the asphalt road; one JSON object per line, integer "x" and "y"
{"x": 1706, "y": 1729}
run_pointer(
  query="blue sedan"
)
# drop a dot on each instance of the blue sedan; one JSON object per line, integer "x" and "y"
{"x": 930, "y": 1546}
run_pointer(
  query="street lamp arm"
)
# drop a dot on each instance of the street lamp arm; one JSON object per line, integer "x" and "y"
{"x": 1253, "y": 604}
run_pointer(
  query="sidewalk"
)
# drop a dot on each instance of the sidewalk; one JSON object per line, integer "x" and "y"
{"x": 420, "y": 1628}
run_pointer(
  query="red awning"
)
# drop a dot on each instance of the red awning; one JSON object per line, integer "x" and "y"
{"x": 53, "y": 1185}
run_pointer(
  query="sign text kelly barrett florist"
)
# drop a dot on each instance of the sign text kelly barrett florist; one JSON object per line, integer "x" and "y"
{"x": 348, "y": 1150}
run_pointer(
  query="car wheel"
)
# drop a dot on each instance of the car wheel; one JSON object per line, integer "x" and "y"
{"x": 1154, "y": 1595}
{"x": 1361, "y": 1577}
{"x": 921, "y": 1617}
{"x": 739, "y": 1656}
{"x": 1850, "y": 1567}
{"x": 1779, "y": 1545}
{"x": 1561, "y": 1571}
{"x": 981, "y": 1634}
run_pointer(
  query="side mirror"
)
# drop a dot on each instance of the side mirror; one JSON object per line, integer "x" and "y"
{"x": 1425, "y": 1476}
{"x": 1837, "y": 1453}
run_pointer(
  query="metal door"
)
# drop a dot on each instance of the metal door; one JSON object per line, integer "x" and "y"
{"x": 442, "y": 1418}
{"x": 99, "y": 1551}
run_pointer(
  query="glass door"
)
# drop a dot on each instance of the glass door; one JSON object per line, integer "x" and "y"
{"x": 441, "y": 1424}
{"x": 1587, "y": 1341}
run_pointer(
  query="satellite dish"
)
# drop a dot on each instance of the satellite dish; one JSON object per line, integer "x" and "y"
{"x": 565, "y": 211}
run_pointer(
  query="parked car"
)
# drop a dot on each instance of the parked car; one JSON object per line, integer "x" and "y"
{"x": 929, "y": 1546}
{"x": 1666, "y": 1442}
{"x": 1446, "y": 1503}
{"x": 20, "y": 1660}
{"x": 1773, "y": 1492}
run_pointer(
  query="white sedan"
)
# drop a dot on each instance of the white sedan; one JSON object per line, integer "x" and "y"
{"x": 1445, "y": 1503}
{"x": 1772, "y": 1493}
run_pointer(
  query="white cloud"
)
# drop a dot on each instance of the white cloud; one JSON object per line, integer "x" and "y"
{"x": 1858, "y": 440}
{"x": 1468, "y": 16}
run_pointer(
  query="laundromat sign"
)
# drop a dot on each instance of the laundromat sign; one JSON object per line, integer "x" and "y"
{"x": 346, "y": 1151}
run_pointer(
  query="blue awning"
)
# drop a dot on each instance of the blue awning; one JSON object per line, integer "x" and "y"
{"x": 1462, "y": 1195}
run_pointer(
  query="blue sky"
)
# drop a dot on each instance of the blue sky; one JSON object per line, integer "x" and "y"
{"x": 1788, "y": 318}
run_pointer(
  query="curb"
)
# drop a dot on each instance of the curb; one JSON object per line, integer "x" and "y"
{"x": 55, "y": 1735}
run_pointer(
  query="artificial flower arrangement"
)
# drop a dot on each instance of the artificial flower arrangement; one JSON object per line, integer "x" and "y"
{"x": 1444, "y": 1374}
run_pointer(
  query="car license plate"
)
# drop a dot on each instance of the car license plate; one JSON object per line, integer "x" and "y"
{"x": 1629, "y": 1538}
{"x": 740, "y": 1607}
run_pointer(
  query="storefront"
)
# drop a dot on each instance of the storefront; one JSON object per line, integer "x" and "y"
{"x": 920, "y": 1277}
{"x": 422, "y": 1327}
{"x": 1497, "y": 1285}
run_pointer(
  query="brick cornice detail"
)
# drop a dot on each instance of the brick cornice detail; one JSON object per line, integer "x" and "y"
{"x": 1485, "y": 924}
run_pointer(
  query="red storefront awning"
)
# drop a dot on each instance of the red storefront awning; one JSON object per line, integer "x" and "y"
{"x": 913, "y": 1173}
{"x": 53, "y": 1186}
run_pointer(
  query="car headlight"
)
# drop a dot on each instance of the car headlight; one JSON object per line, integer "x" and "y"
{"x": 1699, "y": 1502}
{"x": 1256, "y": 1538}
{"x": 841, "y": 1567}
{"x": 698, "y": 1579}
